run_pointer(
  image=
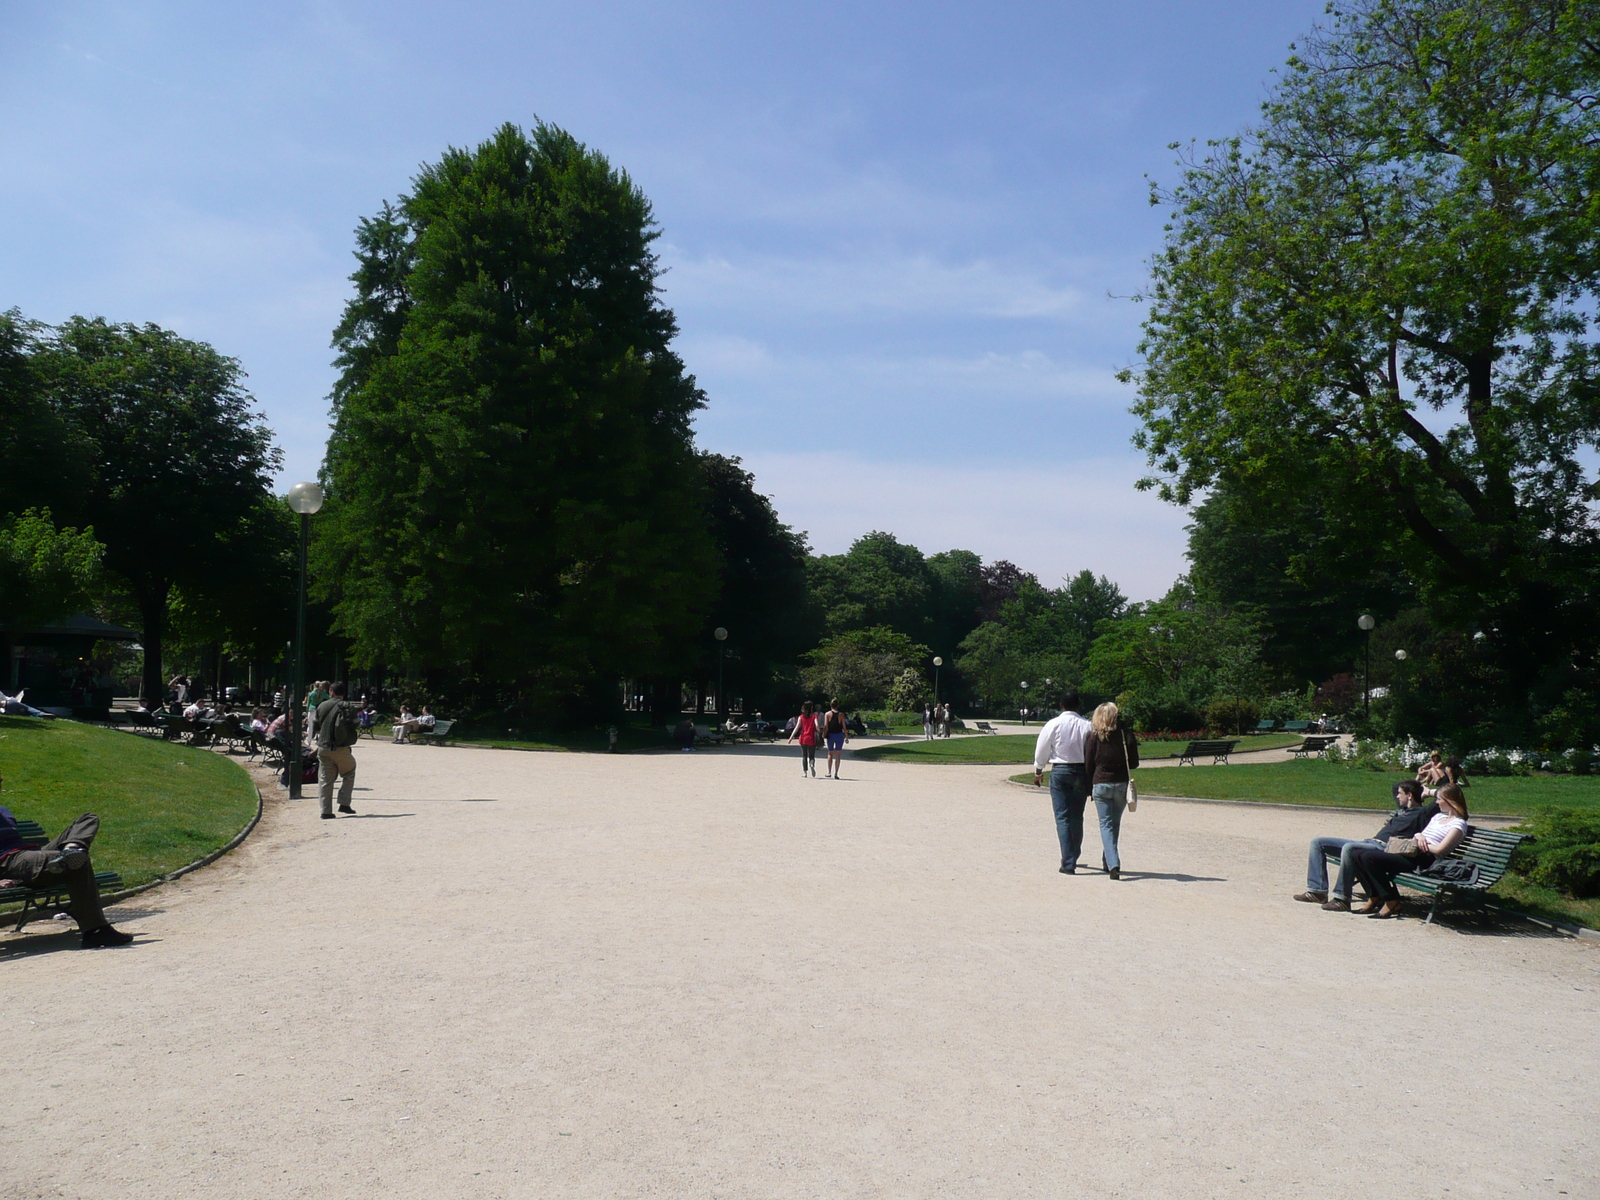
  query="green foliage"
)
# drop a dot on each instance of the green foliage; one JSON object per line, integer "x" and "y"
{"x": 513, "y": 489}
{"x": 43, "y": 462}
{"x": 862, "y": 666}
{"x": 45, "y": 573}
{"x": 908, "y": 691}
{"x": 879, "y": 581}
{"x": 1228, "y": 714}
{"x": 179, "y": 460}
{"x": 1566, "y": 854}
{"x": 1407, "y": 245}
{"x": 1177, "y": 642}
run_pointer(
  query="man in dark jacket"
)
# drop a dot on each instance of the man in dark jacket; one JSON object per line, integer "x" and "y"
{"x": 62, "y": 862}
{"x": 1408, "y": 819}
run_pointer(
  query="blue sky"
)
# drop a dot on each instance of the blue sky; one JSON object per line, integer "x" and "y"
{"x": 900, "y": 238}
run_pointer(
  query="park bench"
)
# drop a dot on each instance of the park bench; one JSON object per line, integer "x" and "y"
{"x": 143, "y": 722}
{"x": 1219, "y": 751}
{"x": 985, "y": 727}
{"x": 437, "y": 735}
{"x": 1490, "y": 849}
{"x": 1314, "y": 743}
{"x": 1296, "y": 726}
{"x": 877, "y": 727}
{"x": 367, "y": 725}
{"x": 1266, "y": 726}
{"x": 36, "y": 901}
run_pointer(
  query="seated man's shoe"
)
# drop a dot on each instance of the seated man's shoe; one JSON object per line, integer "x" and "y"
{"x": 70, "y": 858}
{"x": 1312, "y": 897}
{"x": 105, "y": 935}
{"x": 1337, "y": 905}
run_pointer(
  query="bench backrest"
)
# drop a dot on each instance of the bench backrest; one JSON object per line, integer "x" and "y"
{"x": 32, "y": 833}
{"x": 440, "y": 728}
{"x": 1218, "y": 747}
{"x": 1296, "y": 726}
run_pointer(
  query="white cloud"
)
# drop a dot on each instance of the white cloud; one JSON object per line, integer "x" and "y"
{"x": 1053, "y": 521}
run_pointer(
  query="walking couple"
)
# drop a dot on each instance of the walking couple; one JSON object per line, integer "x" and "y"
{"x": 811, "y": 727}
{"x": 1084, "y": 756}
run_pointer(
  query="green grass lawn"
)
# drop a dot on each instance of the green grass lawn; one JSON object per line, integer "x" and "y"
{"x": 1018, "y": 748}
{"x": 161, "y": 804}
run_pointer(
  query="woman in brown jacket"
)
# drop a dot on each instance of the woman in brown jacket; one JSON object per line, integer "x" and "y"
{"x": 1109, "y": 752}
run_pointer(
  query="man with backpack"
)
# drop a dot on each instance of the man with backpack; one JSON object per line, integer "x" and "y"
{"x": 335, "y": 728}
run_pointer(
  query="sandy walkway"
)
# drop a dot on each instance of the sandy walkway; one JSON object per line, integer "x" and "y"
{"x": 543, "y": 975}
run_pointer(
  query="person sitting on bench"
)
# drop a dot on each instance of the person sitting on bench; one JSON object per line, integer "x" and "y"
{"x": 1409, "y": 818}
{"x": 62, "y": 862}
{"x": 1377, "y": 868}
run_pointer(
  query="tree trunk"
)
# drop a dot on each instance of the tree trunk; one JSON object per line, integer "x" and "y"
{"x": 153, "y": 616}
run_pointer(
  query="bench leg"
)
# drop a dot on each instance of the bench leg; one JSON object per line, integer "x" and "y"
{"x": 1433, "y": 909}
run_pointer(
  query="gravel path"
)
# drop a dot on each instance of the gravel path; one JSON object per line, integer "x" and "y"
{"x": 554, "y": 975}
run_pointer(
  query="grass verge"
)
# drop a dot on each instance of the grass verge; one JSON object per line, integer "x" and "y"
{"x": 1018, "y": 748}
{"x": 161, "y": 804}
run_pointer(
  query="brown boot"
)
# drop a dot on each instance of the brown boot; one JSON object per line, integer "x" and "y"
{"x": 1337, "y": 905}
{"x": 1311, "y": 897}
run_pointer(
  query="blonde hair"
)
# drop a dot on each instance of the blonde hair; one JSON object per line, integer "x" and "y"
{"x": 1104, "y": 722}
{"x": 1455, "y": 798}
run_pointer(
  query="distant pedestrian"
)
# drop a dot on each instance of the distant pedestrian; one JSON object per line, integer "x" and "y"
{"x": 837, "y": 730}
{"x": 808, "y": 730}
{"x": 1110, "y": 752}
{"x": 335, "y": 730}
{"x": 1060, "y": 747}
{"x": 927, "y": 722}
{"x": 942, "y": 716}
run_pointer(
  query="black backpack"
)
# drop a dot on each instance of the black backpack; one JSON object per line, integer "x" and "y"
{"x": 346, "y": 730}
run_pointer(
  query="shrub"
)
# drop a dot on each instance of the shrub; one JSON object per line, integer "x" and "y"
{"x": 1167, "y": 708}
{"x": 1232, "y": 715}
{"x": 1565, "y": 854}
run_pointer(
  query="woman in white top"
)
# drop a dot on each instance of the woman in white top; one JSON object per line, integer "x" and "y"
{"x": 1376, "y": 867}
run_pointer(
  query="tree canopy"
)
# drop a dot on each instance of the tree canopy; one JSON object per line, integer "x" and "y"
{"x": 512, "y": 484}
{"x": 1385, "y": 294}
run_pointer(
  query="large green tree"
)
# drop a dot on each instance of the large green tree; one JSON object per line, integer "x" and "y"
{"x": 1386, "y": 292}
{"x": 179, "y": 459}
{"x": 513, "y": 488}
{"x": 43, "y": 461}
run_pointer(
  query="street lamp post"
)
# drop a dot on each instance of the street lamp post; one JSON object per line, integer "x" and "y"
{"x": 1365, "y": 623}
{"x": 721, "y": 635}
{"x": 937, "y": 663}
{"x": 1024, "y": 686}
{"x": 305, "y": 499}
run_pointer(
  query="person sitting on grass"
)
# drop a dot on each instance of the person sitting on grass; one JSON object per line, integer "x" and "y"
{"x": 1376, "y": 867}
{"x": 63, "y": 862}
{"x": 1409, "y": 817}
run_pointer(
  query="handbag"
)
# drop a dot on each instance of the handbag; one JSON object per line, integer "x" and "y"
{"x": 1405, "y": 847}
{"x": 1133, "y": 788}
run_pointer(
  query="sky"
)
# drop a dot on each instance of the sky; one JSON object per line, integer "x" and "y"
{"x": 902, "y": 241}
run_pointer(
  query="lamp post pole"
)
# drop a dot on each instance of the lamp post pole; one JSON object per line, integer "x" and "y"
{"x": 305, "y": 499}
{"x": 937, "y": 663}
{"x": 1365, "y": 623}
{"x": 1024, "y": 686}
{"x": 721, "y": 635}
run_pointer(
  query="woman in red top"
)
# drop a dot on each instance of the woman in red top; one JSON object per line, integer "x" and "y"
{"x": 805, "y": 728}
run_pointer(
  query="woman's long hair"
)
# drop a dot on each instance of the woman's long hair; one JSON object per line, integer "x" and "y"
{"x": 1104, "y": 722}
{"x": 1456, "y": 798}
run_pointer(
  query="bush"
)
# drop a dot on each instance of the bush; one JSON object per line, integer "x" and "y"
{"x": 1232, "y": 715}
{"x": 1165, "y": 709}
{"x": 1566, "y": 854}
{"x": 1290, "y": 706}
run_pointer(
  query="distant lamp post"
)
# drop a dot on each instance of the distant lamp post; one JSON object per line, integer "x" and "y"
{"x": 305, "y": 499}
{"x": 721, "y": 635}
{"x": 1400, "y": 656}
{"x": 937, "y": 663}
{"x": 1024, "y": 686}
{"x": 1365, "y": 622}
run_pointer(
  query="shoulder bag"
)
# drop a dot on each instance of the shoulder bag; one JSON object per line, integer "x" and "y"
{"x": 1405, "y": 847}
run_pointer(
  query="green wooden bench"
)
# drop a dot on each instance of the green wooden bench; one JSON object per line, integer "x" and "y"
{"x": 877, "y": 727}
{"x": 437, "y": 735}
{"x": 1296, "y": 726}
{"x": 1266, "y": 726}
{"x": 1491, "y": 849}
{"x": 1218, "y": 750}
{"x": 36, "y": 901}
{"x": 985, "y": 727}
{"x": 1314, "y": 743}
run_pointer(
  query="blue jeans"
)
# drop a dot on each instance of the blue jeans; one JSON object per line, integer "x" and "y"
{"x": 1069, "y": 792}
{"x": 1111, "y": 799}
{"x": 1317, "y": 865}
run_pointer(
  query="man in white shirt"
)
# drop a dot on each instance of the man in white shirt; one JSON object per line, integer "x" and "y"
{"x": 1060, "y": 748}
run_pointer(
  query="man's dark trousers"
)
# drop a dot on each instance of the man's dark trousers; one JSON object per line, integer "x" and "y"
{"x": 1069, "y": 791}
{"x": 83, "y": 896}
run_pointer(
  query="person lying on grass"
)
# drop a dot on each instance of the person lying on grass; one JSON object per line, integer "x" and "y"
{"x": 1409, "y": 818}
{"x": 62, "y": 862}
